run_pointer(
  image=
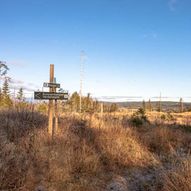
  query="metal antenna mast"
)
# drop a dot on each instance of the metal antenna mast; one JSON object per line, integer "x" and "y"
{"x": 82, "y": 61}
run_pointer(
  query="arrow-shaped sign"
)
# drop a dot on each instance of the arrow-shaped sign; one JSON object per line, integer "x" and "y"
{"x": 51, "y": 95}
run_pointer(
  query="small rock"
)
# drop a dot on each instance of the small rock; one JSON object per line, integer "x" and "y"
{"x": 117, "y": 184}
{"x": 40, "y": 188}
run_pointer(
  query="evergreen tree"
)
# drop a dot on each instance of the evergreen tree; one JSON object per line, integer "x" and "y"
{"x": 5, "y": 89}
{"x": 159, "y": 106}
{"x": 113, "y": 107}
{"x": 144, "y": 105}
{"x": 75, "y": 102}
{"x": 150, "y": 105}
{"x": 87, "y": 102}
{"x": 159, "y": 109}
{"x": 3, "y": 71}
{"x": 6, "y": 100}
{"x": 96, "y": 106}
{"x": 181, "y": 106}
{"x": 20, "y": 95}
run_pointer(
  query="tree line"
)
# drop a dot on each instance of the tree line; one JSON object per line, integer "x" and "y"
{"x": 6, "y": 100}
{"x": 89, "y": 105}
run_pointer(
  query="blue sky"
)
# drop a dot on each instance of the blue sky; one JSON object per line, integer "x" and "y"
{"x": 133, "y": 47}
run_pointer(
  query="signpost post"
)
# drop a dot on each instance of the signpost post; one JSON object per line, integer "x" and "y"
{"x": 52, "y": 96}
{"x": 50, "y": 107}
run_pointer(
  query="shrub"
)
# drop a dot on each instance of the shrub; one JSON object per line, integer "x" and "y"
{"x": 139, "y": 118}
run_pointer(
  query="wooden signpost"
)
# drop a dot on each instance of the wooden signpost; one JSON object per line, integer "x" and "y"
{"x": 51, "y": 85}
{"x": 52, "y": 96}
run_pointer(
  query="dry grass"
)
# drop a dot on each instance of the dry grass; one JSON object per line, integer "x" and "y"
{"x": 120, "y": 148}
{"x": 91, "y": 154}
{"x": 179, "y": 178}
{"x": 166, "y": 141}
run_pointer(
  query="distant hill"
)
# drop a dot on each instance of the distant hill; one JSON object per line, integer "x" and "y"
{"x": 166, "y": 105}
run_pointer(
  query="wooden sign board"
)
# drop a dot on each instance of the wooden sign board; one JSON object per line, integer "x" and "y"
{"x": 51, "y": 85}
{"x": 51, "y": 95}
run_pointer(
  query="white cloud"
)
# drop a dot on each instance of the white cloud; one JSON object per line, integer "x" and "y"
{"x": 15, "y": 81}
{"x": 25, "y": 88}
{"x": 33, "y": 85}
{"x": 16, "y": 84}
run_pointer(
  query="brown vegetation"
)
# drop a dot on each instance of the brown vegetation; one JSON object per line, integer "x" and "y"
{"x": 91, "y": 153}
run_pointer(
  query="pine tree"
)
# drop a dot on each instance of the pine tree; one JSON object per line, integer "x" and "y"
{"x": 160, "y": 105}
{"x": 5, "y": 89}
{"x": 87, "y": 101}
{"x": 7, "y": 102}
{"x": 96, "y": 106}
{"x": 20, "y": 95}
{"x": 144, "y": 105}
{"x": 150, "y": 105}
{"x": 113, "y": 107}
{"x": 75, "y": 102}
{"x": 181, "y": 105}
{"x": 3, "y": 71}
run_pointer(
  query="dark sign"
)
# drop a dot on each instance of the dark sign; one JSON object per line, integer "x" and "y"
{"x": 51, "y": 85}
{"x": 50, "y": 95}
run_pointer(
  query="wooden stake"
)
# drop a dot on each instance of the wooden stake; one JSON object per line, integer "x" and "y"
{"x": 51, "y": 108}
{"x": 55, "y": 128}
{"x": 101, "y": 110}
{"x": 181, "y": 106}
{"x": 56, "y": 117}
